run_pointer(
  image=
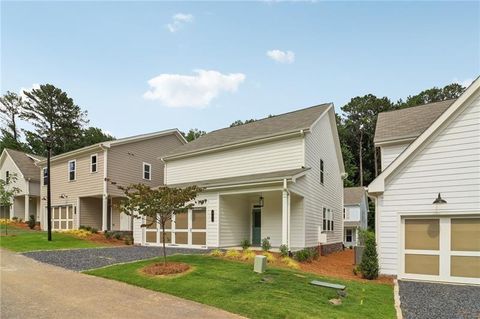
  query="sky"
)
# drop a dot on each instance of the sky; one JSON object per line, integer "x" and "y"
{"x": 139, "y": 67}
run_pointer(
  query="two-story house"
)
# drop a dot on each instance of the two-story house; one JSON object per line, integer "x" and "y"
{"x": 427, "y": 196}
{"x": 355, "y": 214}
{"x": 85, "y": 181}
{"x": 279, "y": 178}
{"x": 27, "y": 180}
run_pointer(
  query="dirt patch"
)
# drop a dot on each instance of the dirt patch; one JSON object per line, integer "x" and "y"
{"x": 161, "y": 269}
{"x": 339, "y": 264}
{"x": 99, "y": 238}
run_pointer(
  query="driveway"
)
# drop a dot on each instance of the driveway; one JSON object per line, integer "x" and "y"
{"x": 421, "y": 300}
{"x": 34, "y": 290}
{"x": 90, "y": 258}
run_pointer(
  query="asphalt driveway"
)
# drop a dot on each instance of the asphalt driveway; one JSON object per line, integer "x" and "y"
{"x": 420, "y": 300}
{"x": 90, "y": 258}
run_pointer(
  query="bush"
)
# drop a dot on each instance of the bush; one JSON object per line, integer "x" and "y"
{"x": 108, "y": 234}
{"x": 31, "y": 222}
{"x": 369, "y": 264}
{"x": 306, "y": 254}
{"x": 248, "y": 255}
{"x": 88, "y": 228}
{"x": 232, "y": 254}
{"x": 117, "y": 236}
{"x": 128, "y": 240}
{"x": 93, "y": 230}
{"x": 283, "y": 250}
{"x": 270, "y": 257}
{"x": 15, "y": 218}
{"x": 266, "y": 244}
{"x": 290, "y": 263}
{"x": 216, "y": 253}
{"x": 245, "y": 244}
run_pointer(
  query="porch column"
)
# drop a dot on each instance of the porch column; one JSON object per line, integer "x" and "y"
{"x": 104, "y": 212}
{"x": 27, "y": 207}
{"x": 285, "y": 213}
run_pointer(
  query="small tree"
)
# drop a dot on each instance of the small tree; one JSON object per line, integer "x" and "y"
{"x": 7, "y": 193}
{"x": 369, "y": 264}
{"x": 157, "y": 204}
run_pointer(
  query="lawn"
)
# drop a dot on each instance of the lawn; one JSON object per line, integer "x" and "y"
{"x": 278, "y": 293}
{"x": 22, "y": 240}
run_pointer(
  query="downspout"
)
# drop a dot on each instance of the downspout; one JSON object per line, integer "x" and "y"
{"x": 286, "y": 193}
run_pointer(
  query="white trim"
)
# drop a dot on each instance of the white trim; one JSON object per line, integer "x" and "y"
{"x": 144, "y": 164}
{"x": 5, "y": 151}
{"x": 96, "y": 163}
{"x": 74, "y": 171}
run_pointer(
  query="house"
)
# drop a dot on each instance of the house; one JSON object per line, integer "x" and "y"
{"x": 279, "y": 178}
{"x": 22, "y": 166}
{"x": 85, "y": 181}
{"x": 427, "y": 196}
{"x": 355, "y": 214}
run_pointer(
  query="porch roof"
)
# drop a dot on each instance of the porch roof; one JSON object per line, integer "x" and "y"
{"x": 351, "y": 223}
{"x": 247, "y": 179}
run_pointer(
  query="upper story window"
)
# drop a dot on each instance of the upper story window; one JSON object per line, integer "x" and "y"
{"x": 7, "y": 177}
{"x": 322, "y": 174}
{"x": 147, "y": 171}
{"x": 45, "y": 176}
{"x": 93, "y": 163}
{"x": 327, "y": 219}
{"x": 72, "y": 170}
{"x": 346, "y": 214}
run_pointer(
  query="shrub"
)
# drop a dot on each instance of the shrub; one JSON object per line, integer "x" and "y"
{"x": 290, "y": 263}
{"x": 15, "y": 218}
{"x": 232, "y": 254}
{"x": 216, "y": 253}
{"x": 128, "y": 240}
{"x": 117, "y": 236}
{"x": 32, "y": 222}
{"x": 369, "y": 264}
{"x": 245, "y": 244}
{"x": 283, "y": 250}
{"x": 93, "y": 230}
{"x": 85, "y": 227}
{"x": 306, "y": 255}
{"x": 108, "y": 234}
{"x": 266, "y": 244}
{"x": 5, "y": 221}
{"x": 82, "y": 233}
{"x": 270, "y": 257}
{"x": 248, "y": 255}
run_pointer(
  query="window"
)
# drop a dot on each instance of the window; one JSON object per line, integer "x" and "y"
{"x": 324, "y": 220}
{"x": 72, "y": 169}
{"x": 147, "y": 171}
{"x": 93, "y": 163}
{"x": 321, "y": 172}
{"x": 45, "y": 176}
{"x": 344, "y": 215}
{"x": 348, "y": 235}
{"x": 7, "y": 176}
{"x": 327, "y": 219}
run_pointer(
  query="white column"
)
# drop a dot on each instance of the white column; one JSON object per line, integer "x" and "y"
{"x": 27, "y": 207}
{"x": 104, "y": 212}
{"x": 285, "y": 209}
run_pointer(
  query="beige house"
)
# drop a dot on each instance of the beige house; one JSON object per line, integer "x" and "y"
{"x": 428, "y": 194}
{"x": 82, "y": 189}
{"x": 279, "y": 178}
{"x": 21, "y": 165}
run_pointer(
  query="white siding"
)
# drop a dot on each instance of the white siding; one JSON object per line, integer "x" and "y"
{"x": 297, "y": 222}
{"x": 8, "y": 165}
{"x": 234, "y": 220}
{"x": 450, "y": 164}
{"x": 391, "y": 152}
{"x": 261, "y": 158}
{"x": 320, "y": 144}
{"x": 272, "y": 218}
{"x": 352, "y": 213}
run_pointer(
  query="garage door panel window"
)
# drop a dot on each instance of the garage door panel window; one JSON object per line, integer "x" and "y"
{"x": 422, "y": 264}
{"x": 422, "y": 234}
{"x": 465, "y": 234}
{"x": 465, "y": 266}
{"x": 151, "y": 236}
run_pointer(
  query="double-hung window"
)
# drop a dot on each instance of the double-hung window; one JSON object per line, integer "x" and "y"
{"x": 147, "y": 171}
{"x": 327, "y": 219}
{"x": 7, "y": 177}
{"x": 93, "y": 163}
{"x": 322, "y": 172}
{"x": 72, "y": 170}
{"x": 348, "y": 235}
{"x": 45, "y": 176}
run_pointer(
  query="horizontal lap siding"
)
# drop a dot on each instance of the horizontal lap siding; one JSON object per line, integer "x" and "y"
{"x": 91, "y": 212}
{"x": 297, "y": 222}
{"x": 449, "y": 164}
{"x": 260, "y": 158}
{"x": 389, "y": 153}
{"x": 235, "y": 213}
{"x": 9, "y": 165}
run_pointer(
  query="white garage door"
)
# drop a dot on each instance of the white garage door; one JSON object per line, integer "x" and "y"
{"x": 441, "y": 249}
{"x": 62, "y": 217}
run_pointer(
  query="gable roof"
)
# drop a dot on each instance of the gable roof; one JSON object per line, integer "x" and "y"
{"x": 378, "y": 184}
{"x": 26, "y": 163}
{"x": 353, "y": 195}
{"x": 408, "y": 123}
{"x": 264, "y": 128}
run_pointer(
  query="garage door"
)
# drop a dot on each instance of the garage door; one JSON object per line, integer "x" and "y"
{"x": 62, "y": 217}
{"x": 441, "y": 249}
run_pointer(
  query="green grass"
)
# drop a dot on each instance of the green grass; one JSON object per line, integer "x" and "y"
{"x": 22, "y": 240}
{"x": 234, "y": 287}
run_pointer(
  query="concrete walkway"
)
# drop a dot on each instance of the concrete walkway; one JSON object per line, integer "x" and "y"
{"x": 30, "y": 289}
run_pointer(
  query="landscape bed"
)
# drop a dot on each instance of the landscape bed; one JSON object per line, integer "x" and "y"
{"x": 278, "y": 293}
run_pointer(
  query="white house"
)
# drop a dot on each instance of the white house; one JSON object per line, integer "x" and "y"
{"x": 22, "y": 166}
{"x": 355, "y": 214}
{"x": 278, "y": 178}
{"x": 428, "y": 194}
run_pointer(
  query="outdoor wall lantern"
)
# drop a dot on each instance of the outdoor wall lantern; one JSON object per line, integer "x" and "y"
{"x": 212, "y": 213}
{"x": 439, "y": 200}
{"x": 260, "y": 201}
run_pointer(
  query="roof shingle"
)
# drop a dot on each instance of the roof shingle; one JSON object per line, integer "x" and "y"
{"x": 353, "y": 195}
{"x": 26, "y": 164}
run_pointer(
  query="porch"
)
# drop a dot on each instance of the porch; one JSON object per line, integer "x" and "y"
{"x": 103, "y": 213}
{"x": 23, "y": 206}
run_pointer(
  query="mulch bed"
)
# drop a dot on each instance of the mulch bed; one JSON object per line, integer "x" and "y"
{"x": 99, "y": 238}
{"x": 160, "y": 269}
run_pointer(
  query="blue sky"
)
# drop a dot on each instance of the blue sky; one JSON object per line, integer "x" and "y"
{"x": 213, "y": 63}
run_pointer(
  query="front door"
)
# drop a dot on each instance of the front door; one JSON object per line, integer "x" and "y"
{"x": 256, "y": 226}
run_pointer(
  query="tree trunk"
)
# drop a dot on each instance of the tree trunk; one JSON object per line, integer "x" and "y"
{"x": 361, "y": 157}
{"x": 163, "y": 243}
{"x": 49, "y": 195}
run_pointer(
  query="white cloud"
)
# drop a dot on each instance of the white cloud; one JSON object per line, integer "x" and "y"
{"x": 281, "y": 56}
{"x": 179, "y": 20}
{"x": 34, "y": 86}
{"x": 465, "y": 83}
{"x": 176, "y": 90}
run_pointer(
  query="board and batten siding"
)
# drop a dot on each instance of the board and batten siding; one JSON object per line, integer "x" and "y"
{"x": 320, "y": 144}
{"x": 449, "y": 163}
{"x": 254, "y": 159}
{"x": 391, "y": 152}
{"x": 125, "y": 162}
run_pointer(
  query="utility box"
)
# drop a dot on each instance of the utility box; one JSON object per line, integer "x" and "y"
{"x": 260, "y": 264}
{"x": 358, "y": 254}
